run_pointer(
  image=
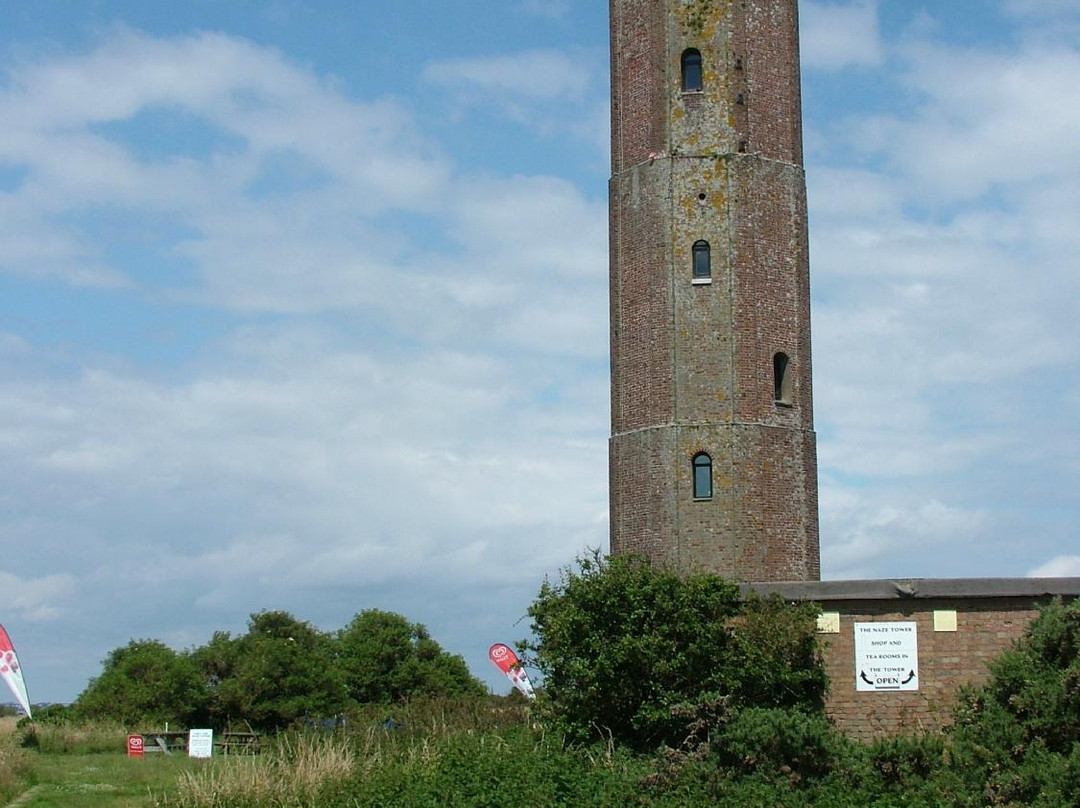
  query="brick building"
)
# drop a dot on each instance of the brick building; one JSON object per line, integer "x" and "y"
{"x": 959, "y": 625}
{"x": 712, "y": 454}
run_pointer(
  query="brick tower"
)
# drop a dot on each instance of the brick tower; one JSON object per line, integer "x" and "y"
{"x": 712, "y": 458}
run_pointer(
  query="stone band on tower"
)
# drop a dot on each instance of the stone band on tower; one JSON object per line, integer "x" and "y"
{"x": 713, "y": 462}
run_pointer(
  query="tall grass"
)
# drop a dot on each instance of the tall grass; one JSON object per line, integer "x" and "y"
{"x": 74, "y": 737}
{"x": 380, "y": 745}
{"x": 14, "y": 765}
{"x": 291, "y": 772}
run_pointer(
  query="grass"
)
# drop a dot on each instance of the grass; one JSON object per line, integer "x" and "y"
{"x": 69, "y": 769}
{"x": 292, "y": 772}
{"x": 73, "y": 738}
{"x": 84, "y": 765}
{"x": 99, "y": 779}
{"x": 14, "y": 765}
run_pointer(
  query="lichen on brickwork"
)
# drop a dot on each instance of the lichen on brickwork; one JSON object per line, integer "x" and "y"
{"x": 689, "y": 358}
{"x": 698, "y": 15}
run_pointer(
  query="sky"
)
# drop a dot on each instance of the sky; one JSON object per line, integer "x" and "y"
{"x": 303, "y": 306}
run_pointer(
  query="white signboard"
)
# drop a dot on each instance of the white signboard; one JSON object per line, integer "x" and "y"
{"x": 200, "y": 743}
{"x": 886, "y": 657}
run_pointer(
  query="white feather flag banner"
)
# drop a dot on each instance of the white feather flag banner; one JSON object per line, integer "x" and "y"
{"x": 11, "y": 672}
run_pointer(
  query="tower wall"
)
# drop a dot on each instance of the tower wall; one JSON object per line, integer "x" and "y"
{"x": 692, "y": 361}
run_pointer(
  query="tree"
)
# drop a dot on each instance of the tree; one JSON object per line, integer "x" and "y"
{"x": 145, "y": 681}
{"x": 281, "y": 670}
{"x": 385, "y": 658}
{"x": 637, "y": 652}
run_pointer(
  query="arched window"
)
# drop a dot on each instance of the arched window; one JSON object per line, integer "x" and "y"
{"x": 702, "y": 476}
{"x": 702, "y": 260}
{"x": 691, "y": 71}
{"x": 781, "y": 378}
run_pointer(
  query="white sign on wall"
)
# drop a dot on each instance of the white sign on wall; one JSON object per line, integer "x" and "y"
{"x": 886, "y": 657}
{"x": 200, "y": 743}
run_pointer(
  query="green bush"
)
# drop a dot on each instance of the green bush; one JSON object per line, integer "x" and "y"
{"x": 384, "y": 659}
{"x": 491, "y": 770}
{"x": 279, "y": 673}
{"x": 144, "y": 681}
{"x": 1016, "y": 739}
{"x": 281, "y": 670}
{"x": 779, "y": 744}
{"x": 627, "y": 650}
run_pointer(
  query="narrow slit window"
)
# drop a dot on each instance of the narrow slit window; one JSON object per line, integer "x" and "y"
{"x": 702, "y": 476}
{"x": 691, "y": 71}
{"x": 781, "y": 378}
{"x": 702, "y": 260}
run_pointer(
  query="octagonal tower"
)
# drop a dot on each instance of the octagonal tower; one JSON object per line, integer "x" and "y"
{"x": 712, "y": 455}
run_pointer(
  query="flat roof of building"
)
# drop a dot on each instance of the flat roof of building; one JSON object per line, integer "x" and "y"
{"x": 918, "y": 588}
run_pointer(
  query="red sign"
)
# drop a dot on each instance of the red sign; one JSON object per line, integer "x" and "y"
{"x": 135, "y": 745}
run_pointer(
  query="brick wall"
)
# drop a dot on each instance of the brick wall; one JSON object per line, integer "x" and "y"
{"x": 947, "y": 659}
{"x": 990, "y": 615}
{"x": 692, "y": 363}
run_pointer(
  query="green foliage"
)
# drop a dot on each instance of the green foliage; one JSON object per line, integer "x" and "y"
{"x": 281, "y": 670}
{"x": 52, "y": 714}
{"x": 624, "y": 647}
{"x": 144, "y": 681}
{"x": 385, "y": 658}
{"x": 472, "y": 770}
{"x": 635, "y": 655}
{"x": 782, "y": 743}
{"x": 1017, "y": 738}
{"x": 1034, "y": 688}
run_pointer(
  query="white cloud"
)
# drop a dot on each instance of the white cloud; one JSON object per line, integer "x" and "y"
{"x": 76, "y": 124}
{"x": 401, "y": 399}
{"x": 543, "y": 74}
{"x": 983, "y": 120}
{"x": 552, "y": 92}
{"x": 943, "y": 255}
{"x": 1061, "y": 567}
{"x": 348, "y": 463}
{"x": 836, "y": 35}
{"x": 37, "y": 600}
{"x": 861, "y": 532}
{"x": 400, "y": 389}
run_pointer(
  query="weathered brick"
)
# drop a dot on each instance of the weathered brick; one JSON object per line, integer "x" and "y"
{"x": 692, "y": 364}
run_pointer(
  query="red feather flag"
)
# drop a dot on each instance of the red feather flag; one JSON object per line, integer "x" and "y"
{"x": 11, "y": 672}
{"x": 507, "y": 661}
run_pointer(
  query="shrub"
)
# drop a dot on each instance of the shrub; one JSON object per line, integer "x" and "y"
{"x": 781, "y": 744}
{"x": 281, "y": 670}
{"x": 384, "y": 658}
{"x": 1016, "y": 739}
{"x": 625, "y": 648}
{"x": 144, "y": 681}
